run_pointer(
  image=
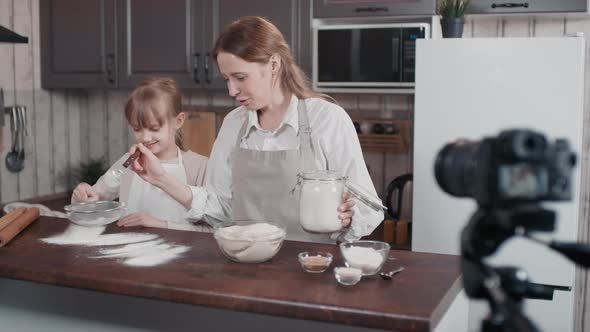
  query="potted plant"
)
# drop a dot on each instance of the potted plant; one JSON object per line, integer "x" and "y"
{"x": 90, "y": 171}
{"x": 452, "y": 17}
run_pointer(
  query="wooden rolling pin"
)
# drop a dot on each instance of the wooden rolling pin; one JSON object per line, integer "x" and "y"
{"x": 17, "y": 224}
{"x": 11, "y": 216}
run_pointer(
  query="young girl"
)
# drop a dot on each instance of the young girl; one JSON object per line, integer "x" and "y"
{"x": 153, "y": 111}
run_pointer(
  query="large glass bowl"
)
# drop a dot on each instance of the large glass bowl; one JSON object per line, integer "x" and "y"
{"x": 98, "y": 213}
{"x": 252, "y": 242}
{"x": 368, "y": 256}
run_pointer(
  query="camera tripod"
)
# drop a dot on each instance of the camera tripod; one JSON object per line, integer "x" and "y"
{"x": 506, "y": 287}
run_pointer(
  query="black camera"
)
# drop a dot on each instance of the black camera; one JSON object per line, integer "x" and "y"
{"x": 517, "y": 166}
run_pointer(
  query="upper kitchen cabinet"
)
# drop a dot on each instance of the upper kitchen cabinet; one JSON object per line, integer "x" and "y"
{"x": 292, "y": 18}
{"x": 116, "y": 43}
{"x": 78, "y": 43}
{"x": 524, "y": 7}
{"x": 119, "y": 43}
{"x": 155, "y": 38}
{"x": 346, "y": 8}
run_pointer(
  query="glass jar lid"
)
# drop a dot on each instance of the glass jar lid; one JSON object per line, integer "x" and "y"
{"x": 365, "y": 197}
{"x": 322, "y": 176}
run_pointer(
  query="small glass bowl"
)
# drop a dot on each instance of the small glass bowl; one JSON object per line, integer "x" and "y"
{"x": 315, "y": 261}
{"x": 368, "y": 256}
{"x": 347, "y": 276}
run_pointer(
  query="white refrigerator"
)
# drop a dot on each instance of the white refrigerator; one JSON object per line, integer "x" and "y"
{"x": 471, "y": 88}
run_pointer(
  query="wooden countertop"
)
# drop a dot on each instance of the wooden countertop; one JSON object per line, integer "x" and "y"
{"x": 415, "y": 300}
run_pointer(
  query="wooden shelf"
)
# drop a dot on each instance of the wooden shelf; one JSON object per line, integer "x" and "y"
{"x": 397, "y": 142}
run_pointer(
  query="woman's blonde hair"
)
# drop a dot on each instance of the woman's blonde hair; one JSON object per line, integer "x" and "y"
{"x": 156, "y": 98}
{"x": 256, "y": 39}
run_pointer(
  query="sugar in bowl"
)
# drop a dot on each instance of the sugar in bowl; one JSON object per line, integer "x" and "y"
{"x": 320, "y": 197}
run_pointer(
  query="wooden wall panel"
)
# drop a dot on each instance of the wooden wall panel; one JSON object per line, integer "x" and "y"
{"x": 9, "y": 181}
{"x": 60, "y": 140}
{"x": 117, "y": 126}
{"x": 97, "y": 125}
{"x": 549, "y": 27}
{"x": 73, "y": 105}
{"x": 517, "y": 27}
{"x": 43, "y": 142}
{"x": 24, "y": 86}
{"x": 485, "y": 27}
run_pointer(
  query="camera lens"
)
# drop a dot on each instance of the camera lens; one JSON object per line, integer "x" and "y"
{"x": 455, "y": 168}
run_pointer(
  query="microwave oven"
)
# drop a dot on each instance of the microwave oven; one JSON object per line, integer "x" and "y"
{"x": 368, "y": 58}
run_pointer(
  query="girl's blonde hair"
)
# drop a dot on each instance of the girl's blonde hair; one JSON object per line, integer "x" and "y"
{"x": 156, "y": 98}
{"x": 256, "y": 39}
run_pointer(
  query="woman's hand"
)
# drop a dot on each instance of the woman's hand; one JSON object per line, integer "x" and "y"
{"x": 83, "y": 193}
{"x": 147, "y": 165}
{"x": 345, "y": 209}
{"x": 141, "y": 219}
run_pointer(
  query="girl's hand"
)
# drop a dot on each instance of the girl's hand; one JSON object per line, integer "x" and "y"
{"x": 141, "y": 219}
{"x": 345, "y": 210}
{"x": 147, "y": 165}
{"x": 83, "y": 193}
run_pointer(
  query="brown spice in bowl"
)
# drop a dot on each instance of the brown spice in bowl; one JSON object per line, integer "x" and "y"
{"x": 315, "y": 263}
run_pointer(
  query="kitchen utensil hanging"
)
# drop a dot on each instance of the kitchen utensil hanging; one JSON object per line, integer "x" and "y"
{"x": 15, "y": 158}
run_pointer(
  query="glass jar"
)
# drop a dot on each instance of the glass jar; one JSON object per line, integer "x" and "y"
{"x": 321, "y": 195}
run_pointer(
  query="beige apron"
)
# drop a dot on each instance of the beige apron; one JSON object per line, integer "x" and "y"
{"x": 145, "y": 197}
{"x": 262, "y": 182}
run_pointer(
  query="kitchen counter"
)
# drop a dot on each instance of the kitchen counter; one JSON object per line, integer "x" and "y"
{"x": 415, "y": 300}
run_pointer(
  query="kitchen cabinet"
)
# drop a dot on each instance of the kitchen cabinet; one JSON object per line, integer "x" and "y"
{"x": 155, "y": 38}
{"x": 292, "y": 18}
{"x": 77, "y": 43}
{"x": 515, "y": 7}
{"x": 119, "y": 43}
{"x": 344, "y": 8}
{"x": 199, "y": 131}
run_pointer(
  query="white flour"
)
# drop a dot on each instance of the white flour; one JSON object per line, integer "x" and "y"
{"x": 318, "y": 207}
{"x": 139, "y": 249}
{"x": 368, "y": 260}
{"x": 251, "y": 243}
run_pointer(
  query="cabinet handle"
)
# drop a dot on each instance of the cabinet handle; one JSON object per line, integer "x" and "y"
{"x": 207, "y": 78}
{"x": 371, "y": 9}
{"x": 196, "y": 57}
{"x": 110, "y": 67}
{"x": 510, "y": 5}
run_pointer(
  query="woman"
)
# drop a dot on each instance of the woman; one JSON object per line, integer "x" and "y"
{"x": 280, "y": 129}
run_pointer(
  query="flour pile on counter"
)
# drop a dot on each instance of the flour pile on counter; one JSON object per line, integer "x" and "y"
{"x": 139, "y": 249}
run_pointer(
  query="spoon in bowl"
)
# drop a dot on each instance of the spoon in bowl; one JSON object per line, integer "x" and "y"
{"x": 389, "y": 275}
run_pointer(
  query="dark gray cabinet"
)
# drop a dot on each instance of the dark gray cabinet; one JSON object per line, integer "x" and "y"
{"x": 155, "y": 38}
{"x": 119, "y": 43}
{"x": 291, "y": 17}
{"x": 531, "y": 6}
{"x": 344, "y": 8}
{"x": 78, "y": 43}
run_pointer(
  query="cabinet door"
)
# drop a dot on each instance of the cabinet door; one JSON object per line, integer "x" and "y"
{"x": 537, "y": 6}
{"x": 291, "y": 18}
{"x": 154, "y": 40}
{"x": 77, "y": 44}
{"x": 347, "y": 8}
{"x": 199, "y": 132}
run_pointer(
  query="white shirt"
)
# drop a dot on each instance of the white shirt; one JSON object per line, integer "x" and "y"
{"x": 336, "y": 147}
